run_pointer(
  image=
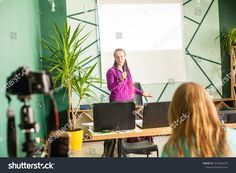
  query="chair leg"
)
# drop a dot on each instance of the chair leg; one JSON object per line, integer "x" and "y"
{"x": 109, "y": 147}
{"x": 120, "y": 148}
{"x": 106, "y": 148}
{"x": 112, "y": 148}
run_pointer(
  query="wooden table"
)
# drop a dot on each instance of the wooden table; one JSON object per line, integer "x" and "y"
{"x": 128, "y": 134}
{"x": 160, "y": 131}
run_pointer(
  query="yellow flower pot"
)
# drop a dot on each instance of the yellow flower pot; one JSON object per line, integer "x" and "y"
{"x": 76, "y": 139}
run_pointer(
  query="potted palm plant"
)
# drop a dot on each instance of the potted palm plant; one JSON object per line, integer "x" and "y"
{"x": 228, "y": 40}
{"x": 68, "y": 66}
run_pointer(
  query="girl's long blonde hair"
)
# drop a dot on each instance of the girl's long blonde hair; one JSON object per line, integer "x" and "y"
{"x": 200, "y": 131}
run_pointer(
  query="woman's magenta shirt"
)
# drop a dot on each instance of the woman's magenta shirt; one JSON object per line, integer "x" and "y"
{"x": 121, "y": 90}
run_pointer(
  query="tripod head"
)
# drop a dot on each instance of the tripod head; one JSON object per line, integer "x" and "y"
{"x": 28, "y": 126}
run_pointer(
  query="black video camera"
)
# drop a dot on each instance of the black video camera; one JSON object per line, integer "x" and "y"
{"x": 25, "y": 82}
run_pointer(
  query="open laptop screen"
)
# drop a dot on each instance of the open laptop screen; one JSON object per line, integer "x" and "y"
{"x": 113, "y": 116}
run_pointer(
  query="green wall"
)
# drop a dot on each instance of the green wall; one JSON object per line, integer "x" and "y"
{"x": 47, "y": 19}
{"x": 22, "y": 18}
{"x": 227, "y": 20}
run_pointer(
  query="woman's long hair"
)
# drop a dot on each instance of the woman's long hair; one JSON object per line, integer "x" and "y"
{"x": 195, "y": 125}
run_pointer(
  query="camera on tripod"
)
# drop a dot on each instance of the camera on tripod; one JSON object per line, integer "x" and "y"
{"x": 23, "y": 83}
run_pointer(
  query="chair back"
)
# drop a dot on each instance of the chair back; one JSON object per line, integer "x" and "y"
{"x": 138, "y": 100}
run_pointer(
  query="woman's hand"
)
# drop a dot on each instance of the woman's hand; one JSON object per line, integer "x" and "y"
{"x": 145, "y": 94}
{"x": 123, "y": 76}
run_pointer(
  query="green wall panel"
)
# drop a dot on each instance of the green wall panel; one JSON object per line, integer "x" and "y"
{"x": 47, "y": 19}
{"x": 227, "y": 20}
{"x": 27, "y": 19}
{"x": 20, "y": 17}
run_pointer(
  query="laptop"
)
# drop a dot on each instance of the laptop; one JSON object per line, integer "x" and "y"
{"x": 154, "y": 115}
{"x": 113, "y": 116}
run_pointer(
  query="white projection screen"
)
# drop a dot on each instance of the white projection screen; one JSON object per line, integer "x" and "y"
{"x": 151, "y": 33}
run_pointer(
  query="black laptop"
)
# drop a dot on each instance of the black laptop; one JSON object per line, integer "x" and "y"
{"x": 113, "y": 116}
{"x": 154, "y": 115}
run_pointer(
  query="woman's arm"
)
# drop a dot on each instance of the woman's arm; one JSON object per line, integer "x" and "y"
{"x": 137, "y": 91}
{"x": 142, "y": 93}
{"x": 112, "y": 83}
